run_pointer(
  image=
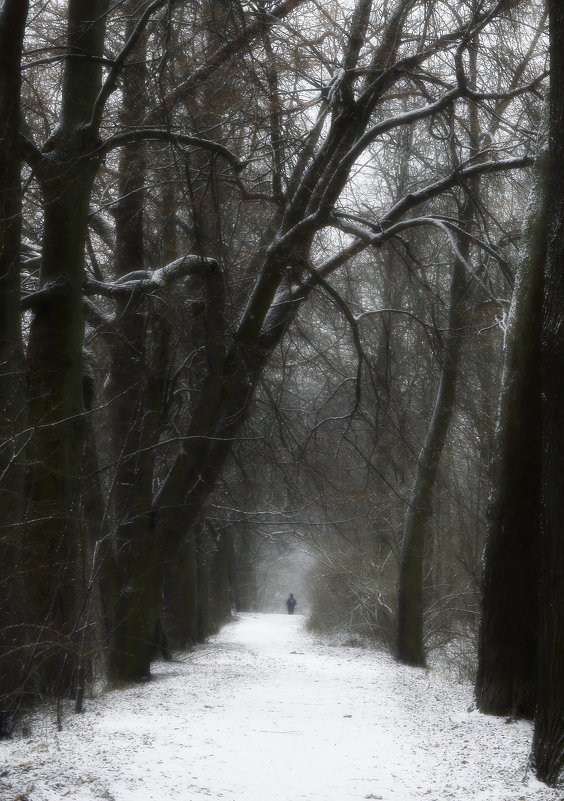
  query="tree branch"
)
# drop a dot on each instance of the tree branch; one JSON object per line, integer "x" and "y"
{"x": 164, "y": 135}
{"x": 145, "y": 281}
{"x": 140, "y": 281}
{"x": 409, "y": 201}
{"x": 230, "y": 49}
{"x": 118, "y": 64}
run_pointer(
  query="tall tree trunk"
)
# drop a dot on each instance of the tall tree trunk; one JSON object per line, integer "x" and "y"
{"x": 149, "y": 554}
{"x": 507, "y": 654}
{"x": 416, "y": 543}
{"x": 103, "y": 579}
{"x": 55, "y": 359}
{"x": 548, "y": 742}
{"x": 12, "y": 381}
{"x": 410, "y": 642}
{"x": 181, "y": 579}
{"x": 134, "y": 421}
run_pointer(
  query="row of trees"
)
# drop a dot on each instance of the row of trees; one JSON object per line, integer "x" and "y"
{"x": 252, "y": 260}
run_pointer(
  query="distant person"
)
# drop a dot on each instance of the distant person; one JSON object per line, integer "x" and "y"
{"x": 291, "y": 604}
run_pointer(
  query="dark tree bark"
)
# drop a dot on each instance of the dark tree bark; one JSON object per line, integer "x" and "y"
{"x": 410, "y": 647}
{"x": 548, "y": 743}
{"x": 12, "y": 382}
{"x": 417, "y": 541}
{"x": 222, "y": 577}
{"x": 145, "y": 554}
{"x": 54, "y": 532}
{"x": 203, "y": 558}
{"x": 506, "y": 680}
{"x": 12, "y": 401}
{"x": 180, "y": 589}
{"x": 181, "y": 595}
{"x": 134, "y": 418}
{"x": 245, "y": 555}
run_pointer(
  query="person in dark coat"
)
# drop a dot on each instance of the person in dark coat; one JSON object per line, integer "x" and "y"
{"x": 291, "y": 604}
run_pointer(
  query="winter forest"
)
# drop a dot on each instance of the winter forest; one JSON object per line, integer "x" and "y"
{"x": 282, "y": 308}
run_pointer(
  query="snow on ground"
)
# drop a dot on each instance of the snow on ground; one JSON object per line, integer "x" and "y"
{"x": 266, "y": 712}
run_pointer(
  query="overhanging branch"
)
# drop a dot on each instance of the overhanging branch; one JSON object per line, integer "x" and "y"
{"x": 140, "y": 281}
{"x": 389, "y": 225}
{"x": 164, "y": 135}
{"x": 146, "y": 281}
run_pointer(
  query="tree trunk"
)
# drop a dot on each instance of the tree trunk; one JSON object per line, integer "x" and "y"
{"x": 548, "y": 742}
{"x": 134, "y": 420}
{"x": 55, "y": 360}
{"x": 203, "y": 555}
{"x": 138, "y": 483}
{"x": 410, "y": 642}
{"x": 12, "y": 382}
{"x": 416, "y": 542}
{"x": 181, "y": 595}
{"x": 507, "y": 655}
{"x": 221, "y": 574}
{"x": 245, "y": 589}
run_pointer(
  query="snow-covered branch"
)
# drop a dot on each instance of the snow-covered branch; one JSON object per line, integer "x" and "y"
{"x": 150, "y": 280}
{"x": 140, "y": 281}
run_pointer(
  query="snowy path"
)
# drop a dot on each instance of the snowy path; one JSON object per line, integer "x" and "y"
{"x": 265, "y": 712}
